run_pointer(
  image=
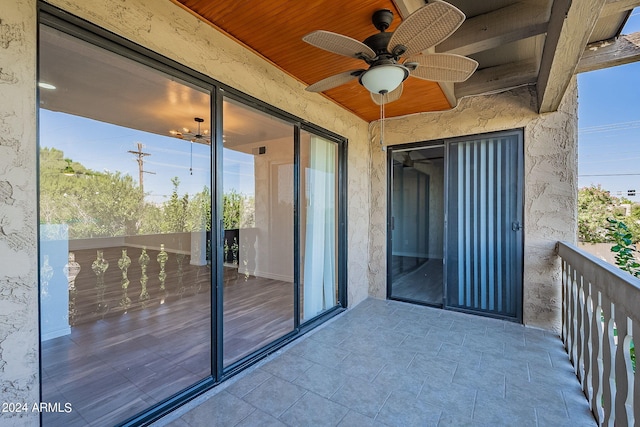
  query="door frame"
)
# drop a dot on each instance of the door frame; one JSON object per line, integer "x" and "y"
{"x": 520, "y": 212}
{"x": 390, "y": 217}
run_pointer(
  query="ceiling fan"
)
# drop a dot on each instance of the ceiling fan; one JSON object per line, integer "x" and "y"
{"x": 394, "y": 56}
{"x": 408, "y": 161}
{"x": 197, "y": 136}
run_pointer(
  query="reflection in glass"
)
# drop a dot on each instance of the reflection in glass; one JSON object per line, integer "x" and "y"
{"x": 318, "y": 224}
{"x": 123, "y": 264}
{"x": 118, "y": 203}
{"x": 99, "y": 267}
{"x": 71, "y": 270}
{"x": 46, "y": 274}
{"x": 144, "y": 262}
{"x": 258, "y": 230}
{"x": 418, "y": 225}
{"x": 162, "y": 261}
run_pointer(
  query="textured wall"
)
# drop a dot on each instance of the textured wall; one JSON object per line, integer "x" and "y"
{"x": 550, "y": 161}
{"x": 18, "y": 250}
{"x": 167, "y": 29}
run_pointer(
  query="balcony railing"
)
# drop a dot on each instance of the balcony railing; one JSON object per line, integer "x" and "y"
{"x": 601, "y": 311}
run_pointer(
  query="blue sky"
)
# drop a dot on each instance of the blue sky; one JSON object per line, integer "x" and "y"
{"x": 101, "y": 146}
{"x": 609, "y": 125}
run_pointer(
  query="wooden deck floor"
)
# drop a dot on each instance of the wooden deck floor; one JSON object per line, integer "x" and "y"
{"x": 117, "y": 363}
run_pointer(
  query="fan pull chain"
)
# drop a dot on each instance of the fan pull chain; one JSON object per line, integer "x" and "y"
{"x": 382, "y": 120}
{"x": 191, "y": 159}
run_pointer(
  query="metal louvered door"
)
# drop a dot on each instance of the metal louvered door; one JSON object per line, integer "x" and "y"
{"x": 484, "y": 243}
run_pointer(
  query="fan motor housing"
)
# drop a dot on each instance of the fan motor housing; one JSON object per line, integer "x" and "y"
{"x": 378, "y": 42}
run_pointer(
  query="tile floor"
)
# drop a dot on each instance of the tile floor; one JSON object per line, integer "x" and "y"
{"x": 386, "y": 363}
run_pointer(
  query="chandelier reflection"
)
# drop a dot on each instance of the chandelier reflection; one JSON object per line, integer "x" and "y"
{"x": 200, "y": 136}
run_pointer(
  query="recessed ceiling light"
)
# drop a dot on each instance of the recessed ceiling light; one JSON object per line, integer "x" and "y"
{"x": 44, "y": 85}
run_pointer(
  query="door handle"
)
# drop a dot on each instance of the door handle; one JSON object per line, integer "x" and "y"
{"x": 516, "y": 226}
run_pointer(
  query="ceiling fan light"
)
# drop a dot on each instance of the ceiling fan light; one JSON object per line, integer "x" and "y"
{"x": 384, "y": 78}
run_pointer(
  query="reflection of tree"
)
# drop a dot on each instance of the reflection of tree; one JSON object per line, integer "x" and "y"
{"x": 176, "y": 210}
{"x": 238, "y": 210}
{"x": 106, "y": 204}
{"x": 94, "y": 204}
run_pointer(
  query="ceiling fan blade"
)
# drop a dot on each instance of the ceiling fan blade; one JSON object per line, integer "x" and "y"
{"x": 394, "y": 95}
{"x": 442, "y": 67}
{"x": 334, "y": 81}
{"x": 426, "y": 27}
{"x": 337, "y": 43}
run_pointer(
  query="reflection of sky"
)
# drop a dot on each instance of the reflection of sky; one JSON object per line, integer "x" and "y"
{"x": 238, "y": 172}
{"x": 102, "y": 146}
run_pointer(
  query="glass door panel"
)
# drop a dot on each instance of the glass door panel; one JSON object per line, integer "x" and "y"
{"x": 417, "y": 225}
{"x": 318, "y": 225}
{"x": 125, "y": 206}
{"x": 258, "y": 221}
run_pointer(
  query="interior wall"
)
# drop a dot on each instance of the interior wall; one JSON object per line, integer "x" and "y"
{"x": 550, "y": 184}
{"x": 19, "y": 337}
{"x": 267, "y": 249}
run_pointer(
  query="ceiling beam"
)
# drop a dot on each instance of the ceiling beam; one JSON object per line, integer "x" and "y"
{"x": 623, "y": 50}
{"x": 448, "y": 90}
{"x": 483, "y": 32}
{"x": 570, "y": 26}
{"x": 407, "y": 7}
{"x": 613, "y": 7}
{"x": 499, "y": 78}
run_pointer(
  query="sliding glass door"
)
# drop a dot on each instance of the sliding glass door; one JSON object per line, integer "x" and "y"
{"x": 455, "y": 229}
{"x": 270, "y": 255}
{"x": 125, "y": 209}
{"x": 258, "y": 220}
{"x": 186, "y": 230}
{"x": 318, "y": 225}
{"x": 416, "y": 271}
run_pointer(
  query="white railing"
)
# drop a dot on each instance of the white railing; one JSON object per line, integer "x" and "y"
{"x": 600, "y": 312}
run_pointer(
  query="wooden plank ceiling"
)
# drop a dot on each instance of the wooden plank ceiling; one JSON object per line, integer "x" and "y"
{"x": 275, "y": 29}
{"x": 532, "y": 42}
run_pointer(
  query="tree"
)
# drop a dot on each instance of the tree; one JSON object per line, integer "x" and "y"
{"x": 595, "y": 205}
{"x": 618, "y": 233}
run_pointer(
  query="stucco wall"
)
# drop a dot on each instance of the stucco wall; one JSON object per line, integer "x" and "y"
{"x": 550, "y": 187}
{"x": 18, "y": 221}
